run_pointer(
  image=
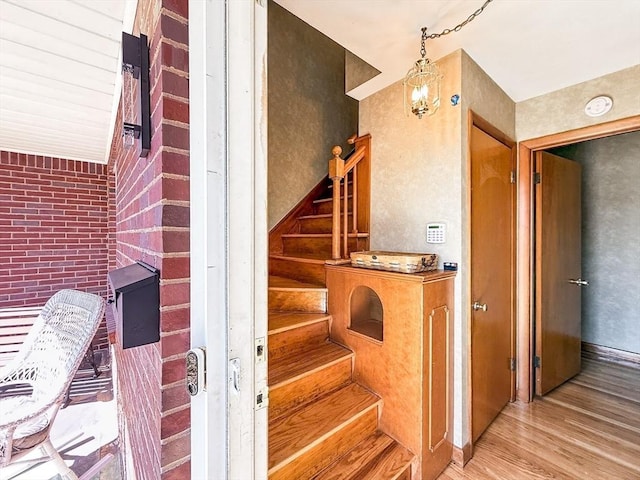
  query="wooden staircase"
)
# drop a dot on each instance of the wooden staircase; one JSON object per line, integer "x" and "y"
{"x": 322, "y": 425}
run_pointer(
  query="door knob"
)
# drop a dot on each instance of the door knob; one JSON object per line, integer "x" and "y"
{"x": 479, "y": 306}
{"x": 579, "y": 282}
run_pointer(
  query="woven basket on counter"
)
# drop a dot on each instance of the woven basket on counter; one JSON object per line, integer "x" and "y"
{"x": 395, "y": 261}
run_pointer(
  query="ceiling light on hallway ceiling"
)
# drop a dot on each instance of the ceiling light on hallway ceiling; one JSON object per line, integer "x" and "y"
{"x": 422, "y": 82}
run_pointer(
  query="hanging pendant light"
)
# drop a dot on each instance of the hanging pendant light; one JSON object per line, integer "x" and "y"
{"x": 422, "y": 85}
{"x": 422, "y": 82}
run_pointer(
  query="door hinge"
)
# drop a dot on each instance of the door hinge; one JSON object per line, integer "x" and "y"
{"x": 512, "y": 364}
{"x": 262, "y": 398}
{"x": 512, "y": 176}
{"x": 536, "y": 178}
{"x": 536, "y": 362}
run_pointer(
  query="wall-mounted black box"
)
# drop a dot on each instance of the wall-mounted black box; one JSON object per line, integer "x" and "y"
{"x": 136, "y": 304}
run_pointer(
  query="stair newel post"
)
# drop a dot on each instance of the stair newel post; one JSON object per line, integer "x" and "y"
{"x": 336, "y": 174}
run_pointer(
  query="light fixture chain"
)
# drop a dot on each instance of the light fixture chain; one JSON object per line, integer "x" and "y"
{"x": 457, "y": 28}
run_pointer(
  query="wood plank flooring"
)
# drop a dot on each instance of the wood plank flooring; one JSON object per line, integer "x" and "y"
{"x": 588, "y": 428}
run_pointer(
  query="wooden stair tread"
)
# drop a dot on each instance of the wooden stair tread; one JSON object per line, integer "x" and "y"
{"x": 318, "y": 258}
{"x": 289, "y": 283}
{"x": 291, "y": 367}
{"x": 292, "y": 435}
{"x": 282, "y": 321}
{"x": 322, "y": 235}
{"x": 377, "y": 456}
{"x": 330, "y": 199}
{"x": 319, "y": 216}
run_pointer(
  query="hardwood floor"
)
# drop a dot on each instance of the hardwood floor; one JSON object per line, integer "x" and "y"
{"x": 588, "y": 428}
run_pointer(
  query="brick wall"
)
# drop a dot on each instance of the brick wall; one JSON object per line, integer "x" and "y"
{"x": 53, "y": 229}
{"x": 152, "y": 225}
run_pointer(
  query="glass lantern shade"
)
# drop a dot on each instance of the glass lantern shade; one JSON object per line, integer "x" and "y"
{"x": 422, "y": 88}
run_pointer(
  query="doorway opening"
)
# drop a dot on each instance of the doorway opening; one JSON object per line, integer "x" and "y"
{"x": 526, "y": 227}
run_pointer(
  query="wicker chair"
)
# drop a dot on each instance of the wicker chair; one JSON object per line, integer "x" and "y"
{"x": 46, "y": 362}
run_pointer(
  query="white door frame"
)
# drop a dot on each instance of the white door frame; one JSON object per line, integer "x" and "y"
{"x": 227, "y": 101}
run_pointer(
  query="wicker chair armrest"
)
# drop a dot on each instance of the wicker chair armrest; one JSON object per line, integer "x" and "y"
{"x": 19, "y": 409}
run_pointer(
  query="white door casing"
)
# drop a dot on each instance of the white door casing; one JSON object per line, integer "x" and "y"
{"x": 227, "y": 84}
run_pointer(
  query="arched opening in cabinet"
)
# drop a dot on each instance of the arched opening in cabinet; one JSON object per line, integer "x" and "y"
{"x": 366, "y": 313}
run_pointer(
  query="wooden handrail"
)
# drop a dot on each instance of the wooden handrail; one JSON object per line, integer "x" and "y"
{"x": 339, "y": 170}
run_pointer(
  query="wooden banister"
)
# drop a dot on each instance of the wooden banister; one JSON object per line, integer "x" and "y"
{"x": 357, "y": 164}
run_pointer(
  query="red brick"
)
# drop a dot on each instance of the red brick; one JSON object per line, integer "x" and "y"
{"x": 181, "y": 472}
{"x": 174, "y": 30}
{"x": 175, "y": 216}
{"x": 174, "y": 57}
{"x": 175, "y": 189}
{"x": 172, "y": 320}
{"x": 175, "y": 241}
{"x": 175, "y": 450}
{"x": 174, "y": 294}
{"x": 177, "y": 137}
{"x": 175, "y": 423}
{"x": 175, "y": 84}
{"x": 175, "y": 163}
{"x": 173, "y": 371}
{"x": 175, "y": 267}
{"x": 175, "y": 344}
{"x": 181, "y": 7}
{"x": 175, "y": 397}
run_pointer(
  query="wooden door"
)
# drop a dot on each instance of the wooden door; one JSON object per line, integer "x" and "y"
{"x": 492, "y": 278}
{"x": 558, "y": 268}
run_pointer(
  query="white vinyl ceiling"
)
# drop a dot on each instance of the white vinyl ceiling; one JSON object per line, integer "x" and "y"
{"x": 59, "y": 75}
{"x": 528, "y": 47}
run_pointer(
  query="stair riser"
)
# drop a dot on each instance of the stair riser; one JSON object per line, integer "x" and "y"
{"x": 303, "y": 272}
{"x": 312, "y": 301}
{"x": 284, "y": 399}
{"x": 327, "y": 207}
{"x": 320, "y": 225}
{"x": 297, "y": 340}
{"x": 330, "y": 449}
{"x": 321, "y": 245}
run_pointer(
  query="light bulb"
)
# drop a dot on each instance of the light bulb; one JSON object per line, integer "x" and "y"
{"x": 424, "y": 92}
{"x": 415, "y": 95}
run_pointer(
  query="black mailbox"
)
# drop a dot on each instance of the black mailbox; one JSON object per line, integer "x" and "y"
{"x": 136, "y": 304}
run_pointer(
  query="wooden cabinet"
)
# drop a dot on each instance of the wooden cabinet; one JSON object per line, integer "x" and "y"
{"x": 411, "y": 366}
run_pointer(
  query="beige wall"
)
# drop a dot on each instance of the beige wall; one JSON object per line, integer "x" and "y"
{"x": 308, "y": 110}
{"x": 419, "y": 174}
{"x": 563, "y": 109}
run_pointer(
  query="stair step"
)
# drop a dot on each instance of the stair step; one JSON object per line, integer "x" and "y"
{"x": 304, "y": 267}
{"x": 321, "y": 223}
{"x": 291, "y": 332}
{"x": 319, "y": 243}
{"x": 290, "y": 367}
{"x": 280, "y": 322}
{"x": 377, "y": 457}
{"x": 311, "y": 438}
{"x": 276, "y": 281}
{"x": 297, "y": 379}
{"x": 290, "y": 295}
{"x": 325, "y": 205}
